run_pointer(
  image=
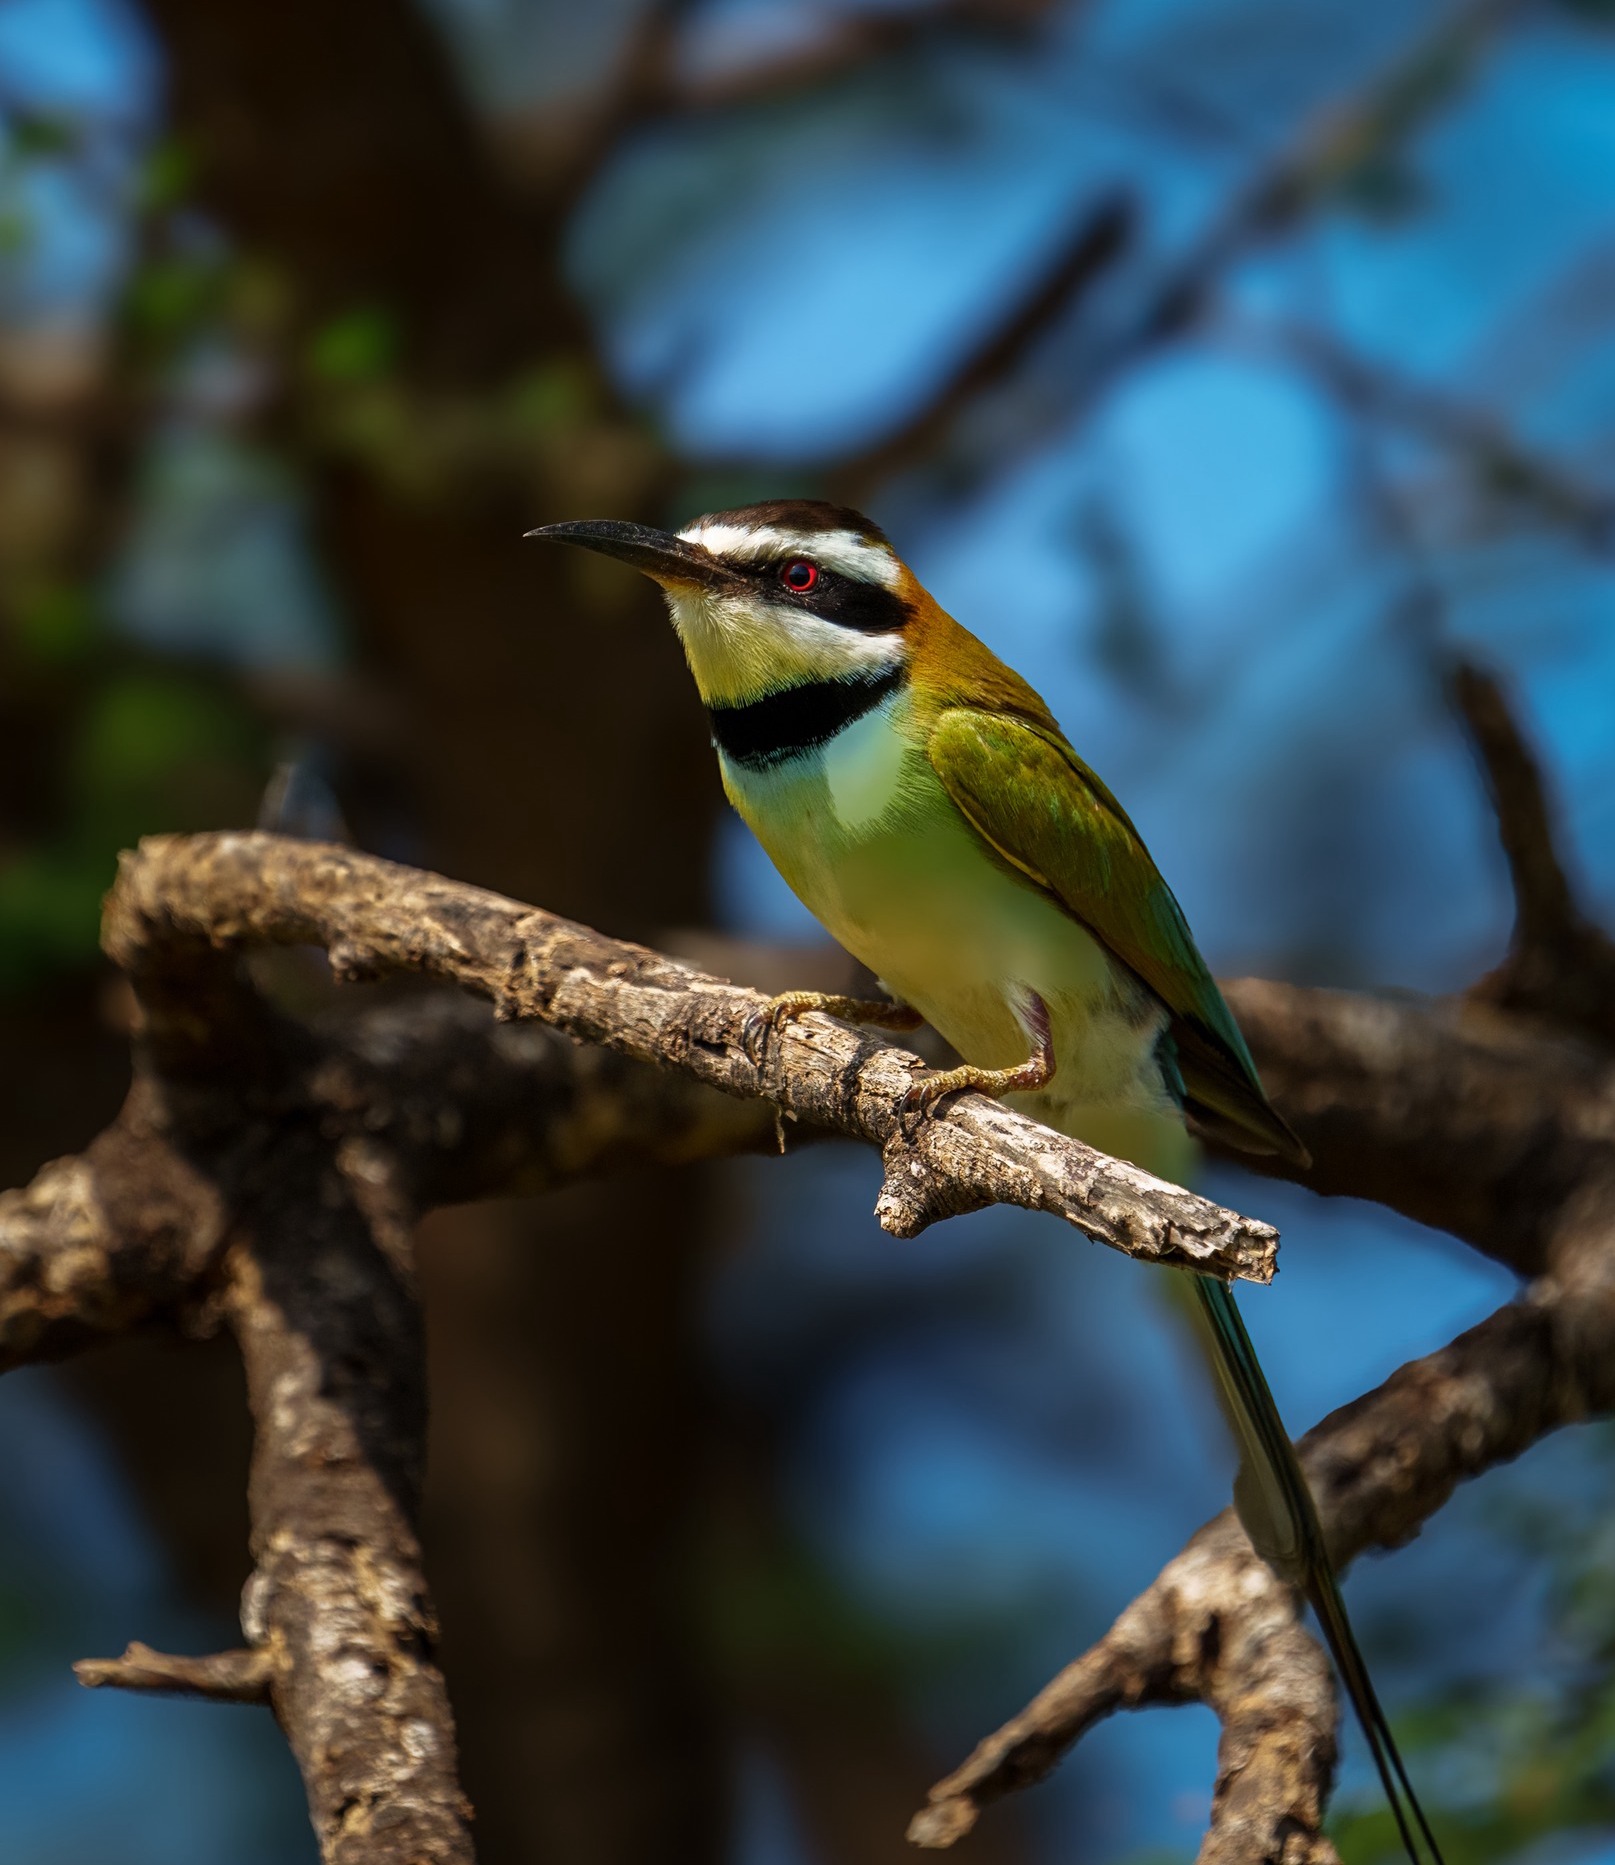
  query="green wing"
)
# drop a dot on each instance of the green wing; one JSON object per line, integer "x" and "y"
{"x": 1032, "y": 799}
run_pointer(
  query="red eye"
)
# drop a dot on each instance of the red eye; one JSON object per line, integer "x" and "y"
{"x": 799, "y": 575}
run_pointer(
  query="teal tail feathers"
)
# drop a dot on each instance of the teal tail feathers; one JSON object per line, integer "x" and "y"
{"x": 1278, "y": 1514}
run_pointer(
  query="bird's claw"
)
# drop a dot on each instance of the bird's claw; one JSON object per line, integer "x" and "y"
{"x": 935, "y": 1087}
{"x": 767, "y": 1020}
{"x": 762, "y": 1023}
{"x": 770, "y": 1018}
{"x": 920, "y": 1097}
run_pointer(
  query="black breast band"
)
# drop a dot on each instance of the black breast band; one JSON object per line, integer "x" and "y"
{"x": 798, "y": 718}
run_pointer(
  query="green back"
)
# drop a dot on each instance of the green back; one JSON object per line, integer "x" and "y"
{"x": 1032, "y": 799}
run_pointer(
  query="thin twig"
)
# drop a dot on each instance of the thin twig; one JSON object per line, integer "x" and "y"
{"x": 226, "y": 1676}
{"x": 1097, "y": 240}
{"x": 1324, "y": 153}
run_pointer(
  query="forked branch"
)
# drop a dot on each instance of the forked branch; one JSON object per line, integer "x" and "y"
{"x": 267, "y": 1175}
{"x": 1218, "y": 1627}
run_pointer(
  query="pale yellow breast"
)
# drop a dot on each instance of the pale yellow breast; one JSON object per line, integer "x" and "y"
{"x": 869, "y": 841}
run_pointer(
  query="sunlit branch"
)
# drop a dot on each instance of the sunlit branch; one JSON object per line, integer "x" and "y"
{"x": 203, "y": 894}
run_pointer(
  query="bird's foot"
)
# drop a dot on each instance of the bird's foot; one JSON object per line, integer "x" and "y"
{"x": 772, "y": 1017}
{"x": 1037, "y": 1071}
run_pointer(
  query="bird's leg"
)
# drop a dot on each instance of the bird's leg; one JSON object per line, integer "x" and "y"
{"x": 772, "y": 1017}
{"x": 1037, "y": 1071}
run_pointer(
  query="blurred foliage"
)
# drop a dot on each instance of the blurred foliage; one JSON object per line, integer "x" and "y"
{"x": 106, "y": 745}
{"x": 355, "y": 348}
{"x": 1516, "y": 1761}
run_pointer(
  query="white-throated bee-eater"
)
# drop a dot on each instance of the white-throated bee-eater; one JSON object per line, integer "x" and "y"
{"x": 921, "y": 801}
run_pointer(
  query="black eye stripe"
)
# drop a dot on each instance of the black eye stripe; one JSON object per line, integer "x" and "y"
{"x": 870, "y": 608}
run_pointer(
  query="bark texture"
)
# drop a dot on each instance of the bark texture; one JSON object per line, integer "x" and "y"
{"x": 374, "y": 918}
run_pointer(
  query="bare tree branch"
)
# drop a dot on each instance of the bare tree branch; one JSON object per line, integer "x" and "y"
{"x": 1325, "y": 152}
{"x": 302, "y": 1246}
{"x": 1218, "y": 1627}
{"x": 268, "y": 1174}
{"x": 98, "y": 1244}
{"x": 458, "y": 1106}
{"x": 649, "y": 87}
{"x": 1461, "y": 1119}
{"x": 270, "y": 1177}
{"x": 322, "y": 1303}
{"x": 196, "y": 895}
{"x": 289, "y": 1166}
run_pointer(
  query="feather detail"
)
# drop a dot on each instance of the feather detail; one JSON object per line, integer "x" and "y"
{"x": 1035, "y": 803}
{"x": 1015, "y": 779}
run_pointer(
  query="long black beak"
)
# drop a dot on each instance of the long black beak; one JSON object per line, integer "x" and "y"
{"x": 659, "y": 554}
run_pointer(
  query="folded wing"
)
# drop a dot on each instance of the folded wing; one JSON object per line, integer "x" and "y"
{"x": 1035, "y": 803}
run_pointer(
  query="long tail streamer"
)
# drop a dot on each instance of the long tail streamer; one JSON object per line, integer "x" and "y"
{"x": 1279, "y": 1515}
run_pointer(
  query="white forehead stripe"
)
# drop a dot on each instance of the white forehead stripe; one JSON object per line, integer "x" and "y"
{"x": 845, "y": 551}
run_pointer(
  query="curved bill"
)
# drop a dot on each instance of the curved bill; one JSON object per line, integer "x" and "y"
{"x": 658, "y": 554}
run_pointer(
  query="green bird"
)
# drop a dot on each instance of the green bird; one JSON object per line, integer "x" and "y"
{"x": 921, "y": 801}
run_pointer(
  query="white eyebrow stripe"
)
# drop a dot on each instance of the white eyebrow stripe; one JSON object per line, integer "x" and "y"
{"x": 845, "y": 551}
